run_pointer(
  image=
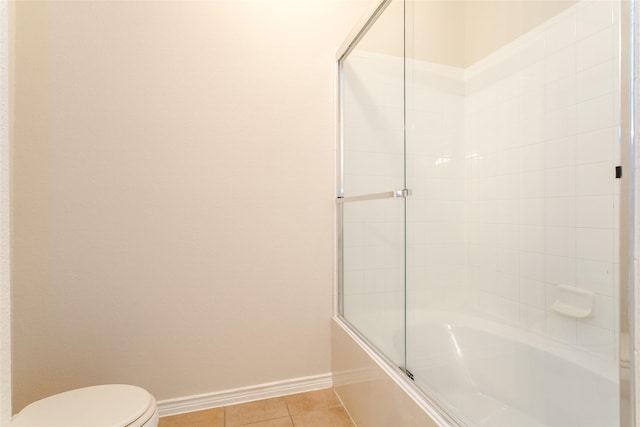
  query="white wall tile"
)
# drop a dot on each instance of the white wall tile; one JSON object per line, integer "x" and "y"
{"x": 561, "y": 93}
{"x": 560, "y": 211}
{"x": 603, "y": 313}
{"x": 482, "y": 256}
{"x": 532, "y": 51}
{"x": 481, "y": 234}
{"x": 507, "y": 236}
{"x": 532, "y": 293}
{"x": 561, "y": 34}
{"x": 353, "y": 258}
{"x": 560, "y": 270}
{"x": 532, "y": 211}
{"x": 508, "y": 309}
{"x": 534, "y": 129}
{"x": 560, "y": 64}
{"x": 479, "y": 211}
{"x": 452, "y": 210}
{"x": 534, "y": 101}
{"x": 595, "y": 49}
{"x": 509, "y": 88}
{"x": 532, "y": 266}
{"x": 532, "y": 158}
{"x": 595, "y": 81}
{"x": 451, "y": 168}
{"x": 354, "y": 281}
{"x": 507, "y": 211}
{"x": 507, "y": 286}
{"x": 596, "y": 276}
{"x": 532, "y": 318}
{"x": 452, "y": 232}
{"x": 596, "y": 113}
{"x": 488, "y": 303}
{"x": 560, "y": 182}
{"x": 594, "y": 244}
{"x": 560, "y": 152}
{"x": 561, "y": 327}
{"x": 533, "y": 76}
{"x": 506, "y": 161}
{"x": 532, "y": 238}
{"x": 453, "y": 254}
{"x": 532, "y": 184}
{"x": 507, "y": 186}
{"x": 597, "y": 16}
{"x": 561, "y": 122}
{"x": 354, "y": 234}
{"x": 595, "y": 179}
{"x": 560, "y": 241}
{"x": 594, "y": 212}
{"x": 596, "y": 146}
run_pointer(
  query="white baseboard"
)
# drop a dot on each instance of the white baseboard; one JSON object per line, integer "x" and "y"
{"x": 216, "y": 399}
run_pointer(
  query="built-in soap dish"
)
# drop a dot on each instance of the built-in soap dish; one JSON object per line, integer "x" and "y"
{"x": 573, "y": 302}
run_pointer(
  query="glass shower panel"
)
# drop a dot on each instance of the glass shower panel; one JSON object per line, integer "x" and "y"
{"x": 435, "y": 160}
{"x": 371, "y": 201}
{"x": 372, "y": 79}
{"x": 512, "y": 118}
{"x": 373, "y": 276}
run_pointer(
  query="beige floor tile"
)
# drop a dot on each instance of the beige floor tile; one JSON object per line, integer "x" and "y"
{"x": 278, "y": 422}
{"x": 252, "y": 412}
{"x": 208, "y": 418}
{"x": 305, "y": 402}
{"x": 330, "y": 417}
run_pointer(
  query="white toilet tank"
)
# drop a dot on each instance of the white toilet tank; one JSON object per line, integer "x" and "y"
{"x": 111, "y": 405}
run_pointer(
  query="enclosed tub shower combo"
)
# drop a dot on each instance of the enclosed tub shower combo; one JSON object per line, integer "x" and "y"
{"x": 484, "y": 213}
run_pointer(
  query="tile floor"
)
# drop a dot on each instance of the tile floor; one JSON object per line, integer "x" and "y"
{"x": 320, "y": 408}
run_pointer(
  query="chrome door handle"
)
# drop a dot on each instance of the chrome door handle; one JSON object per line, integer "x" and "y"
{"x": 396, "y": 194}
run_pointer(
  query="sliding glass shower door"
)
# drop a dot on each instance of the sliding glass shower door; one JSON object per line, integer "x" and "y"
{"x": 371, "y": 199}
{"x": 482, "y": 207}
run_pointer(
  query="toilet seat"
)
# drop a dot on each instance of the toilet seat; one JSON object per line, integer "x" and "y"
{"x": 151, "y": 413}
{"x": 112, "y": 405}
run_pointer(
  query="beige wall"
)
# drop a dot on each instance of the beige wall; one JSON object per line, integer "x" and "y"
{"x": 491, "y": 24}
{"x": 434, "y": 29}
{"x": 173, "y": 187}
{"x": 437, "y": 32}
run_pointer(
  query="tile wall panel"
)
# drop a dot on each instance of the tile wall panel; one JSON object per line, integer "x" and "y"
{"x": 436, "y": 262}
{"x": 541, "y": 194}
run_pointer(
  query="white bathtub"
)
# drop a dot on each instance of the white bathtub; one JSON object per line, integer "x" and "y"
{"x": 489, "y": 374}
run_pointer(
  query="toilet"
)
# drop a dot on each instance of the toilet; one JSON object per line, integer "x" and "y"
{"x": 111, "y": 405}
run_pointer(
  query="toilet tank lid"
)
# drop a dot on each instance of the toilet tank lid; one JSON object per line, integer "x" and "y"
{"x": 111, "y": 405}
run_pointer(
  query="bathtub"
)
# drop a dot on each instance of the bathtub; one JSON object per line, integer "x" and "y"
{"x": 490, "y": 374}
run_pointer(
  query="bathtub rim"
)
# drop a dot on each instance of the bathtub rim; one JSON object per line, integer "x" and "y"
{"x": 431, "y": 407}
